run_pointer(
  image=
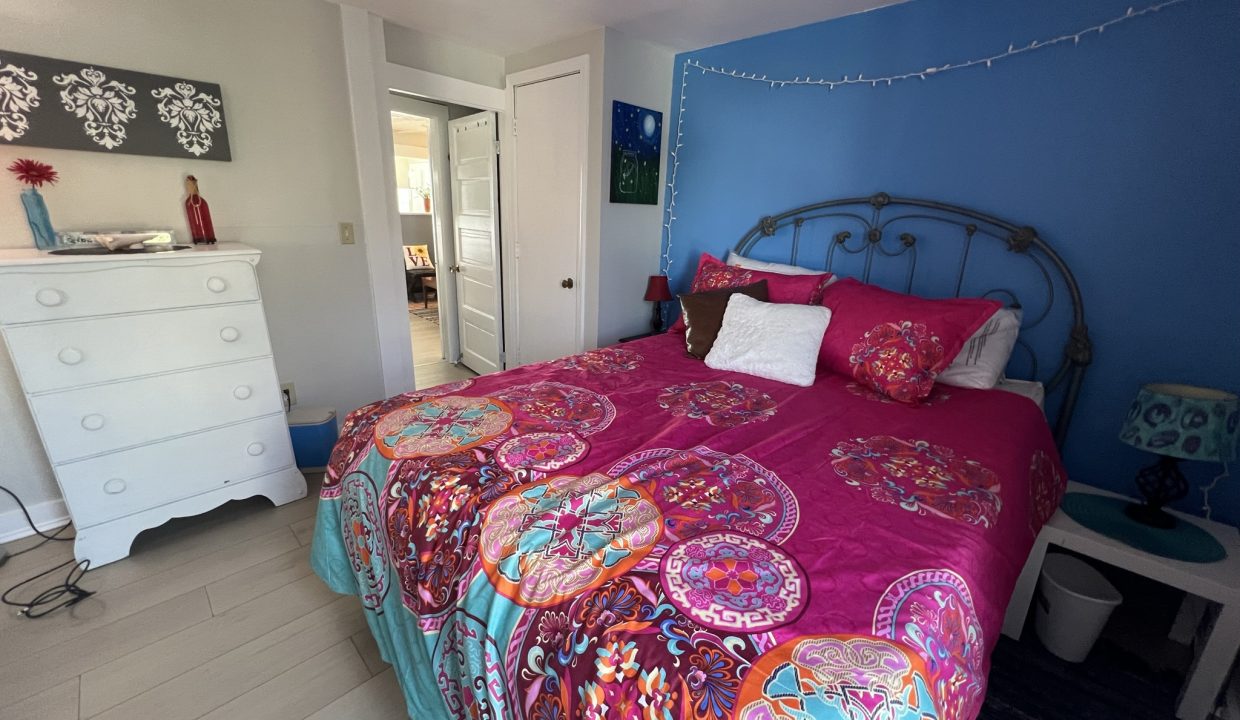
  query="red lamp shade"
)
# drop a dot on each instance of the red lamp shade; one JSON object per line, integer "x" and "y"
{"x": 657, "y": 289}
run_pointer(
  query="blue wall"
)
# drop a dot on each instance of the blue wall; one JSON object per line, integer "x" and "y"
{"x": 1122, "y": 151}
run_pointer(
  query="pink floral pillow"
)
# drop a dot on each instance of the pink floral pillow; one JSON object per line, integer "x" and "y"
{"x": 894, "y": 343}
{"x": 714, "y": 274}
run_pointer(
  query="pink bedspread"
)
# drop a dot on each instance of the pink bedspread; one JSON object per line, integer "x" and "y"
{"x": 628, "y": 533}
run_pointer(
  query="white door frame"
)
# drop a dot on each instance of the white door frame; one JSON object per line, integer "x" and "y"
{"x": 441, "y": 214}
{"x": 508, "y": 217}
{"x": 371, "y": 79}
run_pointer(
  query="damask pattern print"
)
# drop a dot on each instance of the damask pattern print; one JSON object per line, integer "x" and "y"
{"x": 193, "y": 114}
{"x": 931, "y": 612}
{"x": 438, "y": 426}
{"x": 544, "y": 406}
{"x": 602, "y": 361}
{"x": 700, "y": 490}
{"x": 920, "y": 477}
{"x": 550, "y": 540}
{"x": 365, "y": 541}
{"x": 939, "y": 395}
{"x": 837, "y": 676}
{"x": 734, "y": 582}
{"x": 717, "y": 277}
{"x": 718, "y": 402}
{"x": 18, "y": 96}
{"x": 543, "y": 451}
{"x": 105, "y": 106}
{"x": 899, "y": 360}
{"x": 1046, "y": 488}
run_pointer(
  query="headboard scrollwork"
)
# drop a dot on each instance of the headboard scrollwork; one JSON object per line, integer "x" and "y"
{"x": 865, "y": 236}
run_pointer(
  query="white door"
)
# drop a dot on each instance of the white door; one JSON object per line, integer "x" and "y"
{"x": 475, "y": 219}
{"x": 549, "y": 193}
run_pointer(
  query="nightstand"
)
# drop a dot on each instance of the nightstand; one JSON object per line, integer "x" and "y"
{"x": 643, "y": 335}
{"x": 1217, "y": 582}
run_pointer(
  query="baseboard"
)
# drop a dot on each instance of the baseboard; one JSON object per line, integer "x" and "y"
{"x": 46, "y": 515}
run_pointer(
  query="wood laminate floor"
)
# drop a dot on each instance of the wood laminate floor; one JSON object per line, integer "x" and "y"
{"x": 429, "y": 367}
{"x": 217, "y": 616}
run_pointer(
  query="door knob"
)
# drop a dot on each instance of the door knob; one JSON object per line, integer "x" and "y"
{"x": 567, "y": 283}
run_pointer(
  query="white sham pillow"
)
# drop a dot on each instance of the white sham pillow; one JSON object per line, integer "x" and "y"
{"x": 1031, "y": 389}
{"x": 776, "y": 341}
{"x": 750, "y": 264}
{"x": 985, "y": 355}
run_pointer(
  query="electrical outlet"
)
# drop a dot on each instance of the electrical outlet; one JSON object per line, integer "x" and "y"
{"x": 290, "y": 393}
{"x": 346, "y": 233}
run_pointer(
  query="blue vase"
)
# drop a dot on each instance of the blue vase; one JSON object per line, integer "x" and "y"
{"x": 40, "y": 223}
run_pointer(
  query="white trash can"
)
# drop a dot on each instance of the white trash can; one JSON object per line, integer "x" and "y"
{"x": 1074, "y": 602}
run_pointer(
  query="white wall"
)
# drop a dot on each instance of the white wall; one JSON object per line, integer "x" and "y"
{"x": 415, "y": 49}
{"x": 637, "y": 73}
{"x": 292, "y": 179}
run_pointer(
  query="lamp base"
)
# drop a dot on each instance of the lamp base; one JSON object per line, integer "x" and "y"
{"x": 656, "y": 318}
{"x": 1151, "y": 515}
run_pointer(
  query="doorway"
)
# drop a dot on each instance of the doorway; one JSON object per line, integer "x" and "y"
{"x": 428, "y": 203}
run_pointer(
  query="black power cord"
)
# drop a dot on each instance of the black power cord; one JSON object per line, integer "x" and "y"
{"x": 36, "y": 607}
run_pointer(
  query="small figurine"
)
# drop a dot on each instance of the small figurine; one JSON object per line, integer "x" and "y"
{"x": 200, "y": 227}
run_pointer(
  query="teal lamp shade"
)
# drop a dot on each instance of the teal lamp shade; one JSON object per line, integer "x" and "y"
{"x": 1182, "y": 421}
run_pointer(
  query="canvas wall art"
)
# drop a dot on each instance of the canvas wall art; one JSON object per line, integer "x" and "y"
{"x": 636, "y": 141}
{"x": 45, "y": 102}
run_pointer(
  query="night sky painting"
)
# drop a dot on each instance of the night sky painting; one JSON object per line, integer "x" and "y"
{"x": 636, "y": 136}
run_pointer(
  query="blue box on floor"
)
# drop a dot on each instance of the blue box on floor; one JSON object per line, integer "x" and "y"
{"x": 314, "y": 434}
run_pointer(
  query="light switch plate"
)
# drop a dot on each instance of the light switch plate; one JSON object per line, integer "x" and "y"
{"x": 346, "y": 233}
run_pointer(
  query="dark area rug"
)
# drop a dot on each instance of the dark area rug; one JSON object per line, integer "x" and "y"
{"x": 430, "y": 315}
{"x": 1028, "y": 683}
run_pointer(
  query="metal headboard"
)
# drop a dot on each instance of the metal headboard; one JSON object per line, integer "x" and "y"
{"x": 872, "y": 231}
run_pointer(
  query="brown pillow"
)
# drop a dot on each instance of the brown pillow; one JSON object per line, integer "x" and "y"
{"x": 703, "y": 314}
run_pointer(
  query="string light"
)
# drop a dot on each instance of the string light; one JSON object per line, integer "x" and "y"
{"x": 860, "y": 79}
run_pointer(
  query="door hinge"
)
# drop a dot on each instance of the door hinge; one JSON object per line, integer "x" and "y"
{"x": 501, "y": 358}
{"x": 497, "y": 147}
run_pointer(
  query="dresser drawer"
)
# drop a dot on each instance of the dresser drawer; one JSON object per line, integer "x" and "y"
{"x": 34, "y": 295}
{"x": 112, "y": 486}
{"x": 88, "y": 421}
{"x": 66, "y": 354}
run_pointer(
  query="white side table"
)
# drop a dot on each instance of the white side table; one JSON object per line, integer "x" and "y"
{"x": 1217, "y": 582}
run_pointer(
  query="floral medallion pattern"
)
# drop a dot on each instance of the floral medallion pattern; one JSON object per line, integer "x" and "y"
{"x": 939, "y": 395}
{"x": 931, "y": 612}
{"x": 623, "y": 650}
{"x": 849, "y": 677}
{"x": 1046, "y": 488}
{"x": 431, "y": 507}
{"x": 541, "y": 451}
{"x": 734, "y": 582}
{"x": 18, "y": 96}
{"x": 718, "y": 402}
{"x": 465, "y": 649}
{"x": 105, "y": 106}
{"x": 550, "y": 540}
{"x": 544, "y": 406}
{"x": 920, "y": 477}
{"x": 193, "y": 114}
{"x": 899, "y": 360}
{"x": 717, "y": 277}
{"x": 602, "y": 361}
{"x": 701, "y": 490}
{"x": 439, "y": 426}
{"x": 365, "y": 541}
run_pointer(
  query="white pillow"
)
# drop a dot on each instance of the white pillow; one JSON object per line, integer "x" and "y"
{"x": 776, "y": 341}
{"x": 750, "y": 264}
{"x": 985, "y": 354}
{"x": 1031, "y": 389}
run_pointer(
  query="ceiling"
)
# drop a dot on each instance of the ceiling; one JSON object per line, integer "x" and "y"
{"x": 505, "y": 27}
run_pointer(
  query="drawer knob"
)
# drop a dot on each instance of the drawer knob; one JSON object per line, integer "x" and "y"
{"x": 49, "y": 297}
{"x": 115, "y": 486}
{"x": 242, "y": 392}
{"x": 94, "y": 421}
{"x": 217, "y": 284}
{"x": 70, "y": 356}
{"x": 230, "y": 334}
{"x": 255, "y": 449}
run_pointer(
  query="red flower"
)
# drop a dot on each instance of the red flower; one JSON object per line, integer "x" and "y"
{"x": 34, "y": 173}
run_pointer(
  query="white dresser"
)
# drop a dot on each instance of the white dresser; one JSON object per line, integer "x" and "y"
{"x": 151, "y": 380}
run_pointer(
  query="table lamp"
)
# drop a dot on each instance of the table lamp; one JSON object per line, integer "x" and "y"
{"x": 1177, "y": 422}
{"x": 657, "y": 292}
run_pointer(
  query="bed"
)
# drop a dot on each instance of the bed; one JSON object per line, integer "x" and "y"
{"x": 626, "y": 533}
